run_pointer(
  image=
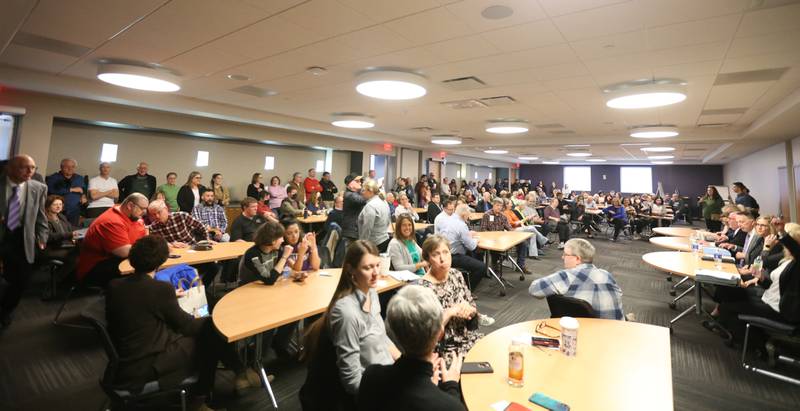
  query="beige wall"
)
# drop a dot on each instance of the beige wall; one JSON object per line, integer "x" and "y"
{"x": 409, "y": 164}
{"x": 237, "y": 161}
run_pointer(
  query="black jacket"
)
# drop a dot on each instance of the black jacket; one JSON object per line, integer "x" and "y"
{"x": 329, "y": 190}
{"x": 186, "y": 198}
{"x": 126, "y": 186}
{"x": 755, "y": 249}
{"x": 353, "y": 204}
{"x": 483, "y": 206}
{"x": 772, "y": 257}
{"x": 790, "y": 283}
{"x": 406, "y": 386}
{"x": 433, "y": 211}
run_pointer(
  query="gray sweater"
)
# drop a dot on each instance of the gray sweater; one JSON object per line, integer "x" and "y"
{"x": 401, "y": 258}
{"x": 374, "y": 220}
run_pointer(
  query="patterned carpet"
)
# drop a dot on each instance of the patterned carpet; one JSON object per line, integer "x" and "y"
{"x": 43, "y": 367}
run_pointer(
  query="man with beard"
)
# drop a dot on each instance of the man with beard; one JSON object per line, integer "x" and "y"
{"x": 212, "y": 215}
{"x": 109, "y": 239}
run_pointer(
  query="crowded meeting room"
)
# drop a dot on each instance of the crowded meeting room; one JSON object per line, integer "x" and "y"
{"x": 484, "y": 205}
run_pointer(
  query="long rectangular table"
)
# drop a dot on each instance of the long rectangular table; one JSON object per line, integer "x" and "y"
{"x": 219, "y": 252}
{"x": 501, "y": 241}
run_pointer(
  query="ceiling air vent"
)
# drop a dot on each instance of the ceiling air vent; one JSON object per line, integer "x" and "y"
{"x": 722, "y": 111}
{"x": 255, "y": 91}
{"x": 422, "y": 129}
{"x": 713, "y": 125}
{"x": 463, "y": 104}
{"x": 47, "y": 44}
{"x": 463, "y": 83}
{"x": 752, "y": 76}
{"x": 549, "y": 125}
{"x": 498, "y": 101}
{"x": 562, "y": 132}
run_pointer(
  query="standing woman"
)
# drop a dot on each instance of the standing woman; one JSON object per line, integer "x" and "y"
{"x": 189, "y": 194}
{"x": 743, "y": 196}
{"x": 403, "y": 248}
{"x": 221, "y": 193}
{"x": 711, "y": 205}
{"x": 277, "y": 193}
{"x": 374, "y": 219}
{"x": 256, "y": 187}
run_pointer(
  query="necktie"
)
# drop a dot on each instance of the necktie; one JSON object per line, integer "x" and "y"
{"x": 13, "y": 209}
{"x": 747, "y": 244}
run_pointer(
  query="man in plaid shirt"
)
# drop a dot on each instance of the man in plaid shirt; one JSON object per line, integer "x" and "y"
{"x": 179, "y": 229}
{"x": 212, "y": 215}
{"x": 495, "y": 220}
{"x": 581, "y": 279}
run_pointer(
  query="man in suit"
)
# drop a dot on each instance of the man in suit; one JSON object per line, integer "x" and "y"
{"x": 24, "y": 227}
{"x": 485, "y": 204}
{"x": 434, "y": 207}
{"x": 753, "y": 243}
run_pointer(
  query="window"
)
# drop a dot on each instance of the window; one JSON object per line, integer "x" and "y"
{"x": 635, "y": 180}
{"x": 320, "y": 166}
{"x": 578, "y": 178}
{"x": 476, "y": 175}
{"x": 458, "y": 173}
{"x": 269, "y": 163}
{"x": 108, "y": 154}
{"x": 490, "y": 175}
{"x": 6, "y": 135}
{"x": 202, "y": 159}
{"x": 372, "y": 161}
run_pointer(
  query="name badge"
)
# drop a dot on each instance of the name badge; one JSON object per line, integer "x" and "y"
{"x": 491, "y": 218}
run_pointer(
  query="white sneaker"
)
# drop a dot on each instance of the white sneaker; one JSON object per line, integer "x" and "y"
{"x": 485, "y": 320}
{"x": 560, "y": 246}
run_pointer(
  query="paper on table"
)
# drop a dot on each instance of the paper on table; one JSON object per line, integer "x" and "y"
{"x": 325, "y": 274}
{"x": 381, "y": 283}
{"x": 716, "y": 274}
{"x": 500, "y": 405}
{"x": 524, "y": 338}
{"x": 404, "y": 275}
{"x": 191, "y": 251}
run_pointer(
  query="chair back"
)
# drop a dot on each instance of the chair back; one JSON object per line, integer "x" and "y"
{"x": 322, "y": 389}
{"x": 562, "y": 306}
{"x": 100, "y": 326}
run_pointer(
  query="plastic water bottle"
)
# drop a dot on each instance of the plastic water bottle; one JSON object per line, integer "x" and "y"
{"x": 717, "y": 260}
{"x": 758, "y": 264}
{"x": 286, "y": 271}
{"x": 695, "y": 246}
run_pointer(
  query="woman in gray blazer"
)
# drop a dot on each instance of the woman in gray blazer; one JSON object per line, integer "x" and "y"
{"x": 403, "y": 249}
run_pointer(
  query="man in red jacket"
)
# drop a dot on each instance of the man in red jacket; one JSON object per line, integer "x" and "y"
{"x": 311, "y": 184}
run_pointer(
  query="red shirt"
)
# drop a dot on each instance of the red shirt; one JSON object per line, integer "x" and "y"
{"x": 311, "y": 185}
{"x": 110, "y": 231}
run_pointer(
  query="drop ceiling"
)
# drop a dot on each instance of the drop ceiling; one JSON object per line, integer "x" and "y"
{"x": 548, "y": 60}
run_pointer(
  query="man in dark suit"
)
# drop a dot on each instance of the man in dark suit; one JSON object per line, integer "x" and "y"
{"x": 434, "y": 207}
{"x": 24, "y": 227}
{"x": 753, "y": 243}
{"x": 484, "y": 204}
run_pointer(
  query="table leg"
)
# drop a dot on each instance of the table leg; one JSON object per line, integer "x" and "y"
{"x": 674, "y": 287}
{"x": 487, "y": 258}
{"x": 683, "y": 294}
{"x": 681, "y": 315}
{"x": 259, "y": 366}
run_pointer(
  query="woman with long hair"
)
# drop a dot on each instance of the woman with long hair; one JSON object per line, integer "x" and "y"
{"x": 221, "y": 193}
{"x": 711, "y": 204}
{"x": 189, "y": 194}
{"x": 255, "y": 187}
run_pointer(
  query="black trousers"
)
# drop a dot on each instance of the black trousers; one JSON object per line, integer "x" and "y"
{"x": 561, "y": 227}
{"x": 382, "y": 247}
{"x": 470, "y": 265}
{"x": 750, "y": 304}
{"x": 95, "y": 211}
{"x": 103, "y": 272}
{"x": 17, "y": 271}
{"x": 618, "y": 225}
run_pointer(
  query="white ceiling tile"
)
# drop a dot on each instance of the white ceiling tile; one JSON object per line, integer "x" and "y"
{"x": 327, "y": 17}
{"x": 610, "y": 46}
{"x": 413, "y": 58}
{"x": 569, "y": 83}
{"x": 618, "y": 18}
{"x": 582, "y": 98}
{"x": 662, "y": 12}
{"x": 267, "y": 38}
{"x": 759, "y": 62}
{"x": 385, "y": 10}
{"x": 780, "y": 42}
{"x": 430, "y": 26}
{"x": 559, "y": 7}
{"x": 469, "y": 11}
{"x": 525, "y": 36}
{"x": 560, "y": 71}
{"x": 718, "y": 118}
{"x": 273, "y": 6}
{"x": 374, "y": 40}
{"x": 463, "y": 48}
{"x": 770, "y": 20}
{"x": 307, "y": 81}
{"x": 606, "y": 78}
{"x": 41, "y": 60}
{"x": 546, "y": 56}
{"x": 736, "y": 95}
{"x": 324, "y": 53}
{"x": 624, "y": 63}
{"x": 702, "y": 68}
{"x": 687, "y": 54}
{"x": 694, "y": 32}
{"x": 205, "y": 60}
{"x": 12, "y": 17}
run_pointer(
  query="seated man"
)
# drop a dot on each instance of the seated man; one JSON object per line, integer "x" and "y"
{"x": 159, "y": 340}
{"x": 418, "y": 379}
{"x": 245, "y": 226}
{"x": 212, "y": 215}
{"x": 734, "y": 236}
{"x": 449, "y": 206}
{"x": 435, "y": 207}
{"x": 463, "y": 245}
{"x": 495, "y": 220}
{"x": 523, "y": 223}
{"x": 582, "y": 279}
{"x": 108, "y": 240}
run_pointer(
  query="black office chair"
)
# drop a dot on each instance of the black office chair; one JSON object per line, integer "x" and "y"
{"x": 562, "y": 306}
{"x": 774, "y": 328}
{"x": 123, "y": 398}
{"x": 51, "y": 290}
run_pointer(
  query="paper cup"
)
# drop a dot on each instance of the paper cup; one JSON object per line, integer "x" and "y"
{"x": 569, "y": 336}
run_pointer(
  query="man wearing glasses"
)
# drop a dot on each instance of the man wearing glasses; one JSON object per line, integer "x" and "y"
{"x": 109, "y": 239}
{"x": 582, "y": 279}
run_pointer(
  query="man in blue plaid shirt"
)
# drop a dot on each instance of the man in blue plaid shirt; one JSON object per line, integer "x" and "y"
{"x": 581, "y": 279}
{"x": 212, "y": 215}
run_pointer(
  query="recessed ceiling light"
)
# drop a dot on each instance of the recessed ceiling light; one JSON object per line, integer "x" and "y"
{"x": 580, "y": 154}
{"x": 578, "y": 145}
{"x": 645, "y": 93}
{"x": 654, "y": 131}
{"x": 316, "y": 71}
{"x": 596, "y": 160}
{"x": 237, "y": 77}
{"x": 352, "y": 120}
{"x": 550, "y": 162}
{"x": 667, "y": 157}
{"x": 138, "y": 77}
{"x": 658, "y": 149}
{"x": 495, "y": 151}
{"x": 446, "y": 139}
{"x": 528, "y": 158}
{"x": 663, "y": 163}
{"x": 497, "y": 12}
{"x": 391, "y": 84}
{"x": 506, "y": 127}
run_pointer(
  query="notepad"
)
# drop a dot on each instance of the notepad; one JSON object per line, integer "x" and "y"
{"x": 381, "y": 283}
{"x": 325, "y": 274}
{"x": 404, "y": 275}
{"x": 716, "y": 277}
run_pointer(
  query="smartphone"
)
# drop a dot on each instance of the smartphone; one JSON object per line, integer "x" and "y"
{"x": 174, "y": 256}
{"x": 476, "y": 368}
{"x": 545, "y": 342}
{"x": 547, "y": 402}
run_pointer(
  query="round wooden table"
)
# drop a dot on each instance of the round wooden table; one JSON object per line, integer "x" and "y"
{"x": 673, "y": 243}
{"x": 683, "y": 264}
{"x": 620, "y": 366}
{"x": 675, "y": 231}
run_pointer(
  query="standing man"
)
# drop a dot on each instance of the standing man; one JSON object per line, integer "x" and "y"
{"x": 103, "y": 192}
{"x": 311, "y": 184}
{"x": 69, "y": 185}
{"x": 297, "y": 184}
{"x": 353, "y": 204}
{"x": 141, "y": 182}
{"x": 170, "y": 190}
{"x": 329, "y": 190}
{"x": 24, "y": 227}
{"x": 433, "y": 184}
{"x": 212, "y": 215}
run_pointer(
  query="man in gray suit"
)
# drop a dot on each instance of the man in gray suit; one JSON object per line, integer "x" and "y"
{"x": 23, "y": 228}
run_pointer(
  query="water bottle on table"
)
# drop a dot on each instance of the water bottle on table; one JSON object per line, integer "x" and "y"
{"x": 717, "y": 259}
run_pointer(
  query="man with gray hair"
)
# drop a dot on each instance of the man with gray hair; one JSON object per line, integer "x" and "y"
{"x": 583, "y": 280}
{"x": 103, "y": 192}
{"x": 463, "y": 245}
{"x": 69, "y": 185}
{"x": 418, "y": 379}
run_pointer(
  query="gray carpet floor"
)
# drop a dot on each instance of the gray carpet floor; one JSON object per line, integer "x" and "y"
{"x": 44, "y": 367}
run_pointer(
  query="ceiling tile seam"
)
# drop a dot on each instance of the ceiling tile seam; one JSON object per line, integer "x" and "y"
{"x": 583, "y": 10}
{"x": 742, "y": 13}
{"x": 115, "y": 35}
{"x": 19, "y": 26}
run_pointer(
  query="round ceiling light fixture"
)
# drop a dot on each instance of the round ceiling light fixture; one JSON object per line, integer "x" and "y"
{"x": 446, "y": 139}
{"x": 580, "y": 154}
{"x": 661, "y": 163}
{"x": 495, "y": 151}
{"x": 391, "y": 84}
{"x": 654, "y": 131}
{"x": 667, "y": 157}
{"x": 645, "y": 93}
{"x": 658, "y": 149}
{"x": 527, "y": 158}
{"x": 353, "y": 120}
{"x": 596, "y": 160}
{"x": 139, "y": 77}
{"x": 506, "y": 126}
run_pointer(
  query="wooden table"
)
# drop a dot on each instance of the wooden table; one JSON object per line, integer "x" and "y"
{"x": 313, "y": 219}
{"x": 475, "y": 216}
{"x": 685, "y": 264}
{"x": 620, "y": 366}
{"x": 220, "y": 252}
{"x": 420, "y": 210}
{"x": 256, "y": 307}
{"x": 417, "y": 227}
{"x": 675, "y": 231}
{"x": 501, "y": 241}
{"x": 673, "y": 243}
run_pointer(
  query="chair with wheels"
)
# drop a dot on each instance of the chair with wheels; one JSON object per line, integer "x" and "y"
{"x": 776, "y": 329}
{"x": 563, "y": 306}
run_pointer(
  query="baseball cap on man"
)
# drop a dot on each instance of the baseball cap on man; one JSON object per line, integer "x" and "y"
{"x": 352, "y": 176}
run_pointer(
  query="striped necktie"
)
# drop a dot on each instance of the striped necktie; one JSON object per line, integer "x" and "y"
{"x": 14, "y": 214}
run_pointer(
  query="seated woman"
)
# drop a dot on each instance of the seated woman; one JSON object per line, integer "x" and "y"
{"x": 161, "y": 341}
{"x": 304, "y": 255}
{"x": 616, "y": 213}
{"x": 314, "y": 204}
{"x": 61, "y": 241}
{"x": 264, "y": 209}
{"x": 554, "y": 222}
{"x": 772, "y": 251}
{"x": 349, "y": 337}
{"x": 405, "y": 207}
{"x": 461, "y": 317}
{"x": 636, "y": 221}
{"x": 403, "y": 249}
{"x": 290, "y": 206}
{"x": 414, "y": 320}
{"x": 658, "y": 209}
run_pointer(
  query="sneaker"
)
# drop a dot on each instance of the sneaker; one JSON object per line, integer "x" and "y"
{"x": 560, "y": 246}
{"x": 485, "y": 320}
{"x": 249, "y": 379}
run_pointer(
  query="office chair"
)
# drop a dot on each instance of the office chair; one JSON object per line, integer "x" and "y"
{"x": 562, "y": 306}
